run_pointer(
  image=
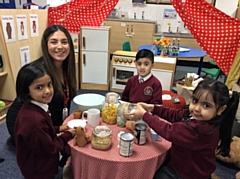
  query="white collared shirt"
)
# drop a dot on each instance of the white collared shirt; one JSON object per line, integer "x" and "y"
{"x": 145, "y": 78}
{"x": 41, "y": 105}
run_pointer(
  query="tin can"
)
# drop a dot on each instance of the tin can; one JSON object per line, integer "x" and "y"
{"x": 126, "y": 144}
{"x": 140, "y": 133}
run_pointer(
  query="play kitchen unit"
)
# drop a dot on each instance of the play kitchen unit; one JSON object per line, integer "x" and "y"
{"x": 94, "y": 57}
{"x": 95, "y": 63}
{"x": 123, "y": 67}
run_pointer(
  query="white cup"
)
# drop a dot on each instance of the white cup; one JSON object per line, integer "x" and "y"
{"x": 93, "y": 117}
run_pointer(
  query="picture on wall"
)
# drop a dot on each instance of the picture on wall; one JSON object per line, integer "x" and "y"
{"x": 170, "y": 14}
{"x": 34, "y": 25}
{"x": 22, "y": 27}
{"x": 8, "y": 28}
{"x": 25, "y": 55}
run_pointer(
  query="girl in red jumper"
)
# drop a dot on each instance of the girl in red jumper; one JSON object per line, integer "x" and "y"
{"x": 37, "y": 142}
{"x": 195, "y": 138}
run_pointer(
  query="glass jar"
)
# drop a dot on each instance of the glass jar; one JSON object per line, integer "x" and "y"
{"x": 101, "y": 137}
{"x": 123, "y": 109}
{"x": 121, "y": 121}
{"x": 110, "y": 108}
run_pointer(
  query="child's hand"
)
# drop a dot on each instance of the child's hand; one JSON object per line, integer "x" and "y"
{"x": 137, "y": 113}
{"x": 73, "y": 132}
{"x": 63, "y": 127}
{"x": 147, "y": 107}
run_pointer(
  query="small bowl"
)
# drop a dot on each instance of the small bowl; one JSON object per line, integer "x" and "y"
{"x": 88, "y": 101}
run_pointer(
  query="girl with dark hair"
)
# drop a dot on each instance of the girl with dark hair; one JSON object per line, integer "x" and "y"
{"x": 195, "y": 138}
{"x": 58, "y": 58}
{"x": 37, "y": 142}
{"x": 143, "y": 87}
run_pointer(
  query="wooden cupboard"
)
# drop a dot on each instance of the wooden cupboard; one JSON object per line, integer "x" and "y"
{"x": 136, "y": 32}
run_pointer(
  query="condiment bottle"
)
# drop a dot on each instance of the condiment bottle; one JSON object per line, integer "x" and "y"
{"x": 110, "y": 108}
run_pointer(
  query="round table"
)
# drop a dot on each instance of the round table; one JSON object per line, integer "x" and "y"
{"x": 192, "y": 53}
{"x": 92, "y": 163}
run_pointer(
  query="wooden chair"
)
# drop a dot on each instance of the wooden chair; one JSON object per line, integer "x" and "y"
{"x": 126, "y": 46}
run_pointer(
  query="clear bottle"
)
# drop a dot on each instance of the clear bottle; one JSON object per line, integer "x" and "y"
{"x": 110, "y": 108}
{"x": 153, "y": 50}
{"x": 174, "y": 47}
{"x": 178, "y": 47}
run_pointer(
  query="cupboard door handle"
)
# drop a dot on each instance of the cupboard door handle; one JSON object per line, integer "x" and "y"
{"x": 127, "y": 27}
{"x": 132, "y": 28}
{"x": 114, "y": 72}
{"x": 84, "y": 59}
{"x": 84, "y": 43}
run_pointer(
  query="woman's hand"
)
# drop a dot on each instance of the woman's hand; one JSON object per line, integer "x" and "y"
{"x": 63, "y": 127}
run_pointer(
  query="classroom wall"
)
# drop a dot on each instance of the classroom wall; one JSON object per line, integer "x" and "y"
{"x": 10, "y": 51}
{"x": 153, "y": 11}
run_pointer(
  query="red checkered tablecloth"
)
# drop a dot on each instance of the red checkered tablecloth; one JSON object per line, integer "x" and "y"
{"x": 91, "y": 163}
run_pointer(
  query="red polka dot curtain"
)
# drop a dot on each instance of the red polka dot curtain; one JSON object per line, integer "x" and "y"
{"x": 217, "y": 33}
{"x": 77, "y": 13}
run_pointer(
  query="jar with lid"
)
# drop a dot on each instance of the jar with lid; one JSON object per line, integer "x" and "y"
{"x": 101, "y": 137}
{"x": 110, "y": 108}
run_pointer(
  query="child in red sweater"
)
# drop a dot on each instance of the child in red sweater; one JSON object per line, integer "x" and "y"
{"x": 143, "y": 87}
{"x": 196, "y": 138}
{"x": 37, "y": 142}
